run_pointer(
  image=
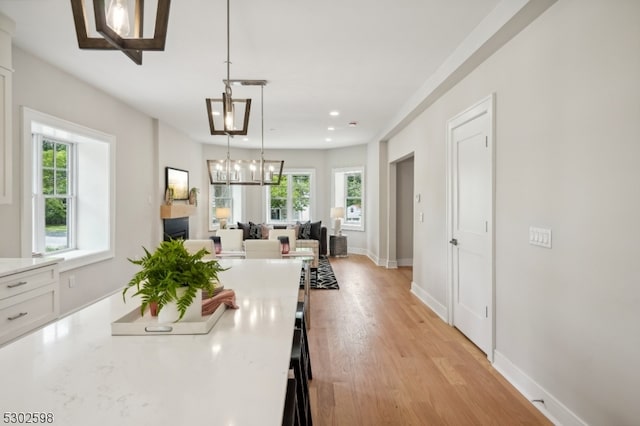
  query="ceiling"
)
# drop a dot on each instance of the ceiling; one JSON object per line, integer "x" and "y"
{"x": 363, "y": 58}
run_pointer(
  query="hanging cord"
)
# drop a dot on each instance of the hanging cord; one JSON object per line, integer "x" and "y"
{"x": 228, "y": 84}
{"x": 262, "y": 170}
{"x": 228, "y": 165}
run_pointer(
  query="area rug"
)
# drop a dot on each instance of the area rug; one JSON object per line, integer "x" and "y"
{"x": 326, "y": 280}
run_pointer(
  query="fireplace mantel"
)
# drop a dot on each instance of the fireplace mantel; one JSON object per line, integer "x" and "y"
{"x": 174, "y": 211}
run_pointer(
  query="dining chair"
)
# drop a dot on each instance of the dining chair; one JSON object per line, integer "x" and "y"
{"x": 193, "y": 246}
{"x": 230, "y": 239}
{"x": 262, "y": 249}
{"x": 291, "y": 233}
{"x": 298, "y": 363}
{"x": 290, "y": 416}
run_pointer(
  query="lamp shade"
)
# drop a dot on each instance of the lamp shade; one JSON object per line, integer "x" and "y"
{"x": 337, "y": 212}
{"x": 223, "y": 212}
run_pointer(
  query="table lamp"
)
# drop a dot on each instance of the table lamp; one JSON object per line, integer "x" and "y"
{"x": 222, "y": 214}
{"x": 337, "y": 213}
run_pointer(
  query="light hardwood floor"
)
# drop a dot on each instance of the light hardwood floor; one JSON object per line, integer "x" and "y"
{"x": 381, "y": 357}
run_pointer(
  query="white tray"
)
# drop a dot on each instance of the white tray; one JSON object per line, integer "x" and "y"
{"x": 133, "y": 324}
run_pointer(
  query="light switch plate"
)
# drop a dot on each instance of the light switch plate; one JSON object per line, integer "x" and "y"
{"x": 540, "y": 237}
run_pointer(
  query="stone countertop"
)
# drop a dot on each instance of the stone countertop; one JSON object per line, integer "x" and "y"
{"x": 234, "y": 375}
{"x": 10, "y": 266}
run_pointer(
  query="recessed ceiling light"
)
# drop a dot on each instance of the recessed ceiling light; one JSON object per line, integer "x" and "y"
{"x": 331, "y": 128}
{"x": 245, "y": 139}
{"x": 328, "y": 139}
{"x": 334, "y": 113}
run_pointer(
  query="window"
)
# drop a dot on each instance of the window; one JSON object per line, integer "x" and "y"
{"x": 69, "y": 187}
{"x": 292, "y": 200}
{"x": 53, "y": 201}
{"x": 348, "y": 189}
{"x": 229, "y": 196}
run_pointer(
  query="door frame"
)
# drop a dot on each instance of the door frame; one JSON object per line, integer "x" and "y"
{"x": 484, "y": 106}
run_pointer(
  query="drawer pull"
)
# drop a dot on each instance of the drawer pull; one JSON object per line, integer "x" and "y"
{"x": 16, "y": 316}
{"x": 16, "y": 284}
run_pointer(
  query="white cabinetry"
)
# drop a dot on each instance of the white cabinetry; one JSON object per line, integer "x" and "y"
{"x": 7, "y": 27}
{"x": 29, "y": 295}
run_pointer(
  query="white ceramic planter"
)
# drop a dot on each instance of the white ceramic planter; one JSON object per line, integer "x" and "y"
{"x": 170, "y": 313}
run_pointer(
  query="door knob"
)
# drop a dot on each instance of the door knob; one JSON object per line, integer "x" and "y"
{"x": 454, "y": 242}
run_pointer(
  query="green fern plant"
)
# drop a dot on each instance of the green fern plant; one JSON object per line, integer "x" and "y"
{"x": 169, "y": 268}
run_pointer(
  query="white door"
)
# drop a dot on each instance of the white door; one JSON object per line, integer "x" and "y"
{"x": 471, "y": 231}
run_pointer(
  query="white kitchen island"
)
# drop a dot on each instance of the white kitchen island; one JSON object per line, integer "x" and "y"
{"x": 234, "y": 375}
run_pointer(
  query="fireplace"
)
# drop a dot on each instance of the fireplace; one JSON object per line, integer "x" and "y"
{"x": 176, "y": 228}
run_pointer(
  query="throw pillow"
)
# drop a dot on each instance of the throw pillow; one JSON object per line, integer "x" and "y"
{"x": 255, "y": 233}
{"x": 296, "y": 229}
{"x": 316, "y": 230}
{"x": 305, "y": 230}
{"x": 264, "y": 229}
{"x": 245, "y": 230}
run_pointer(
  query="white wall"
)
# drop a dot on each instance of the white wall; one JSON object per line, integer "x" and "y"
{"x": 44, "y": 88}
{"x": 567, "y": 108}
{"x": 178, "y": 151}
{"x": 143, "y": 148}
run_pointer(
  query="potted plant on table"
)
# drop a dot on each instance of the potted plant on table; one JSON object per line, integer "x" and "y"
{"x": 171, "y": 276}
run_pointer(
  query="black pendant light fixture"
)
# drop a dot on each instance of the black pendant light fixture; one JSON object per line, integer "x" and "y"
{"x": 223, "y": 113}
{"x": 247, "y": 172}
{"x": 112, "y": 22}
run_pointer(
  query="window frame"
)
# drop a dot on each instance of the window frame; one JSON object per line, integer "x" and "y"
{"x": 339, "y": 197}
{"x": 39, "y": 207}
{"x": 96, "y": 189}
{"x": 236, "y": 197}
{"x": 312, "y": 196}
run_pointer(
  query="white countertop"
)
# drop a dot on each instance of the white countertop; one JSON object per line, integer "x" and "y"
{"x": 234, "y": 375}
{"x": 10, "y": 266}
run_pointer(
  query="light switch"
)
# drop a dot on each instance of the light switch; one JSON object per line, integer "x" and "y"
{"x": 421, "y": 217}
{"x": 540, "y": 237}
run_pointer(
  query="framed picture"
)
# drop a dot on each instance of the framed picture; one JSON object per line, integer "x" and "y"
{"x": 178, "y": 181}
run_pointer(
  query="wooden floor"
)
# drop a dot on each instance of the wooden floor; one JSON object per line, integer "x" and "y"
{"x": 381, "y": 357}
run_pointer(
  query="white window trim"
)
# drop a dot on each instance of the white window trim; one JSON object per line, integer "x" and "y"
{"x": 237, "y": 200}
{"x": 75, "y": 258}
{"x": 345, "y": 226}
{"x": 312, "y": 196}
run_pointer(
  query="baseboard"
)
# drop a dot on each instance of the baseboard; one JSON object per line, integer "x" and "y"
{"x": 428, "y": 300}
{"x": 405, "y": 262}
{"x": 356, "y": 250}
{"x": 377, "y": 260}
{"x": 392, "y": 264}
{"x": 552, "y": 408}
{"x": 373, "y": 257}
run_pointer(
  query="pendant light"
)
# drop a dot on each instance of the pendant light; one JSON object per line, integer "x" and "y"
{"x": 113, "y": 23}
{"x": 246, "y": 172}
{"x": 222, "y": 112}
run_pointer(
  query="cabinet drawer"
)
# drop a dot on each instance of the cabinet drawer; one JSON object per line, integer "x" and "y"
{"x": 27, "y": 311}
{"x": 12, "y": 285}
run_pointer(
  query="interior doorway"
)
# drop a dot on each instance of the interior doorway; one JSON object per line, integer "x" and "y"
{"x": 404, "y": 211}
{"x": 470, "y": 194}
